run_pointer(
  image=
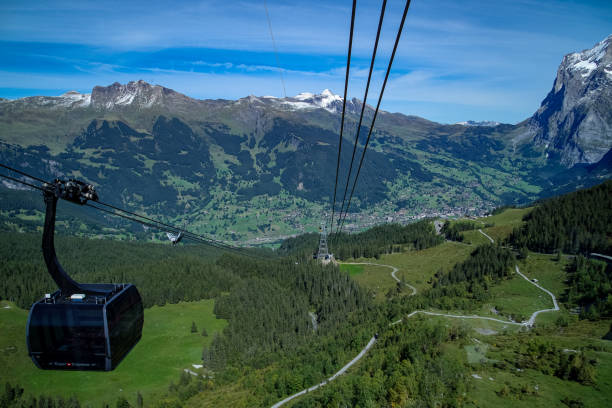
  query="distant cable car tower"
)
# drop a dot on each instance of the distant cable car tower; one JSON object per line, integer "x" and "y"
{"x": 323, "y": 253}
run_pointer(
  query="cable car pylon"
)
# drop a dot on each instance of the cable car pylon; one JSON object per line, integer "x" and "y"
{"x": 323, "y": 253}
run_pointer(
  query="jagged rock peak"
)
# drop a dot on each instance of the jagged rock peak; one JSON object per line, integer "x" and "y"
{"x": 581, "y": 65}
{"x": 574, "y": 120}
{"x": 138, "y": 93}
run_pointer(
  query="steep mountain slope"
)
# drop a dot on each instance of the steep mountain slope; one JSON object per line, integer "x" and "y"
{"x": 264, "y": 166}
{"x": 575, "y": 120}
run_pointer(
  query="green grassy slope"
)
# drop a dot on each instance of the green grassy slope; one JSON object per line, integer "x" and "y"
{"x": 543, "y": 390}
{"x": 417, "y": 267}
{"x": 376, "y": 278}
{"x": 166, "y": 348}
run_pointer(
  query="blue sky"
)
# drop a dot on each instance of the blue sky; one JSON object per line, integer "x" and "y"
{"x": 458, "y": 60}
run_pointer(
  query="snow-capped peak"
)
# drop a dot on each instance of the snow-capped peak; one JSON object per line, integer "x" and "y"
{"x": 587, "y": 61}
{"x": 328, "y": 97}
{"x": 484, "y": 123}
{"x": 306, "y": 100}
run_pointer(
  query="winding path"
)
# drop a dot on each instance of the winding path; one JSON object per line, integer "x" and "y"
{"x": 609, "y": 258}
{"x": 485, "y": 234}
{"x": 531, "y": 320}
{"x": 527, "y": 323}
{"x": 332, "y": 378}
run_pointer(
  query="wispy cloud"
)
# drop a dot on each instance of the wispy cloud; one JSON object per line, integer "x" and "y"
{"x": 457, "y": 60}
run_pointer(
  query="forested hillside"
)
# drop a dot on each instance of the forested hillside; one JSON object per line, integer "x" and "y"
{"x": 161, "y": 273}
{"x": 576, "y": 223}
{"x": 590, "y": 287}
{"x": 382, "y": 239}
{"x": 452, "y": 230}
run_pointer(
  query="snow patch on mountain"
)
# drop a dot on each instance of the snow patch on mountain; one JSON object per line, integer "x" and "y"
{"x": 325, "y": 100}
{"x": 74, "y": 99}
{"x": 573, "y": 120}
{"x": 304, "y": 95}
{"x": 486, "y": 123}
{"x": 586, "y": 62}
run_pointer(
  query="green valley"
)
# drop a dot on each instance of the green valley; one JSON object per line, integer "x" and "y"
{"x": 463, "y": 330}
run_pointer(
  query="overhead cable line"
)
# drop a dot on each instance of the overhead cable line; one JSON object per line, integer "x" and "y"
{"x": 22, "y": 173}
{"x": 346, "y": 79}
{"x": 187, "y": 234}
{"x": 365, "y": 148}
{"x": 280, "y": 71}
{"x": 21, "y": 181}
{"x": 153, "y": 224}
{"x": 365, "y": 97}
{"x": 173, "y": 228}
{"x": 190, "y": 236}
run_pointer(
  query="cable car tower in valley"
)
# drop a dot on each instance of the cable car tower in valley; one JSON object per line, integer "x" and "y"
{"x": 323, "y": 253}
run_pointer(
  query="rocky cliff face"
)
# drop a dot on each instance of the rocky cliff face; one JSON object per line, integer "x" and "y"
{"x": 575, "y": 120}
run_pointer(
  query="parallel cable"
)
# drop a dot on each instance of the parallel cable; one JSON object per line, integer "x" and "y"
{"x": 397, "y": 39}
{"x": 21, "y": 181}
{"x": 346, "y": 79}
{"x": 22, "y": 173}
{"x": 152, "y": 224}
{"x": 280, "y": 71}
{"x": 156, "y": 224}
{"x": 173, "y": 228}
{"x": 380, "y": 22}
{"x": 190, "y": 236}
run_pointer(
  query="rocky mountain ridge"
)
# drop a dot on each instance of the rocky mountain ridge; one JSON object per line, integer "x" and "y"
{"x": 574, "y": 121}
{"x": 142, "y": 95}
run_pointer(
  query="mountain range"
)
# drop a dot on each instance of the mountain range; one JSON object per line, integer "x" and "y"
{"x": 260, "y": 168}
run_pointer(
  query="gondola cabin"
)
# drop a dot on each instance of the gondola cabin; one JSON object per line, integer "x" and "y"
{"x": 80, "y": 326}
{"x": 85, "y": 332}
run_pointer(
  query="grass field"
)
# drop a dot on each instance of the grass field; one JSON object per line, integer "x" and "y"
{"x": 477, "y": 327}
{"x": 166, "y": 348}
{"x": 503, "y": 224}
{"x": 517, "y": 298}
{"x": 475, "y": 238}
{"x": 510, "y": 216}
{"x": 376, "y": 278}
{"x": 549, "y": 272}
{"x": 549, "y": 390}
{"x": 419, "y": 266}
{"x": 352, "y": 270}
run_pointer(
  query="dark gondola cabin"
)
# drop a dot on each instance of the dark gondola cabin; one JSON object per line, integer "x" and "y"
{"x": 85, "y": 332}
{"x": 80, "y": 326}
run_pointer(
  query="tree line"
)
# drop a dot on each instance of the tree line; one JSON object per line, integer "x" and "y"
{"x": 162, "y": 274}
{"x": 452, "y": 230}
{"x": 590, "y": 287}
{"x": 378, "y": 240}
{"x": 268, "y": 310}
{"x": 576, "y": 223}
